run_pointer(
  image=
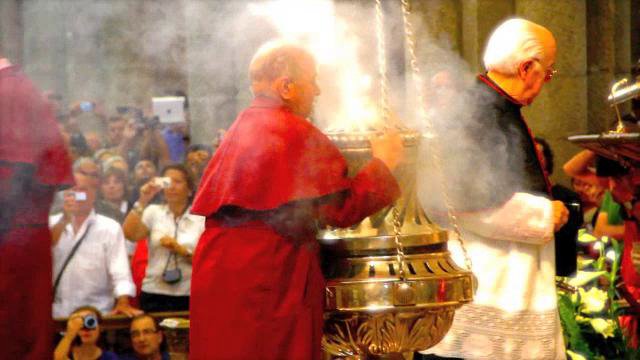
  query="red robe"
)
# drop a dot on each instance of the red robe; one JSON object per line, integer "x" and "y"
{"x": 631, "y": 278}
{"x": 33, "y": 164}
{"x": 257, "y": 289}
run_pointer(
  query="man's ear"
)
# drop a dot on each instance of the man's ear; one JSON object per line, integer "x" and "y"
{"x": 284, "y": 87}
{"x": 525, "y": 68}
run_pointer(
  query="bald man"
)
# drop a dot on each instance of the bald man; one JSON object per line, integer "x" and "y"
{"x": 505, "y": 211}
{"x": 257, "y": 288}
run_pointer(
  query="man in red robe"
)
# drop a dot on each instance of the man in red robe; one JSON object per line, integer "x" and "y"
{"x": 34, "y": 163}
{"x": 257, "y": 289}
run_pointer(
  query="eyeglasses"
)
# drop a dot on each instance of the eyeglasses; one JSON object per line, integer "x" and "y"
{"x": 549, "y": 72}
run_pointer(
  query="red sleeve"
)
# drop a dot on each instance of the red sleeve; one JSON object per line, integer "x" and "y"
{"x": 373, "y": 188}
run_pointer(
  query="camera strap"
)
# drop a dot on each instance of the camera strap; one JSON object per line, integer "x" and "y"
{"x": 172, "y": 253}
{"x": 68, "y": 259}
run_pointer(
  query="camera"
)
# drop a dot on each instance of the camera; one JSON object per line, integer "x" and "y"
{"x": 80, "y": 195}
{"x": 90, "y": 321}
{"x": 163, "y": 182}
{"x": 136, "y": 115}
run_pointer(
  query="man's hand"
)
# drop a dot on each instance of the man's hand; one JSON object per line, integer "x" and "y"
{"x": 389, "y": 148}
{"x": 69, "y": 204}
{"x": 123, "y": 307}
{"x": 69, "y": 208}
{"x": 560, "y": 214}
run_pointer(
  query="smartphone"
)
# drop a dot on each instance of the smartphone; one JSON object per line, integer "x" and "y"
{"x": 80, "y": 196}
{"x": 163, "y": 182}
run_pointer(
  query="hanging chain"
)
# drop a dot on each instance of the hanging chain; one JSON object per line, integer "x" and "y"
{"x": 397, "y": 226}
{"x": 386, "y": 112}
{"x": 382, "y": 64}
{"x": 422, "y": 111}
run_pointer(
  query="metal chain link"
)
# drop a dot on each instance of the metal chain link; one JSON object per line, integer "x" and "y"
{"x": 397, "y": 227}
{"x": 382, "y": 64}
{"x": 386, "y": 112}
{"x": 422, "y": 111}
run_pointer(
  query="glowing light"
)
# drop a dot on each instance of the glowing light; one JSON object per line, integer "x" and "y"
{"x": 346, "y": 103}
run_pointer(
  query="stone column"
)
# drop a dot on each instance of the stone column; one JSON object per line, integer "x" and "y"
{"x": 622, "y": 38}
{"x": 221, "y": 39}
{"x": 635, "y": 30}
{"x": 209, "y": 70}
{"x": 130, "y": 73}
{"x": 561, "y": 108}
{"x": 479, "y": 18}
{"x": 442, "y": 21}
{"x": 11, "y": 31}
{"x": 600, "y": 62}
{"x": 44, "y": 51}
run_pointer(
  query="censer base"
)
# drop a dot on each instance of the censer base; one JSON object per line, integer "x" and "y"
{"x": 393, "y": 356}
{"x": 385, "y": 335}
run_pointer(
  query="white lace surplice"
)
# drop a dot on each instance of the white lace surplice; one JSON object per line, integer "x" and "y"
{"x": 514, "y": 313}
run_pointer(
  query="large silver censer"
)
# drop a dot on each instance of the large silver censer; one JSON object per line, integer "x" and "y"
{"x": 377, "y": 308}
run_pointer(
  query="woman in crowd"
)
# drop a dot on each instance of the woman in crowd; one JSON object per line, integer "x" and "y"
{"x": 173, "y": 234}
{"x": 113, "y": 189}
{"x": 81, "y": 339}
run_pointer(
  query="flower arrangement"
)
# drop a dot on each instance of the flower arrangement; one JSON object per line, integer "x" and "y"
{"x": 590, "y": 314}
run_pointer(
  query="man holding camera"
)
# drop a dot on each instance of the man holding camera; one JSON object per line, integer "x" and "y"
{"x": 90, "y": 264}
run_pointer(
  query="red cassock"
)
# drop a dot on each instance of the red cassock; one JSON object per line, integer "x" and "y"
{"x": 257, "y": 289}
{"x": 34, "y": 163}
{"x": 631, "y": 278}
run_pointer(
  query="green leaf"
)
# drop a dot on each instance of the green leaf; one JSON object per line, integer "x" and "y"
{"x": 584, "y": 277}
{"x": 585, "y": 238}
{"x": 575, "y": 356}
{"x": 577, "y": 343}
{"x": 583, "y": 262}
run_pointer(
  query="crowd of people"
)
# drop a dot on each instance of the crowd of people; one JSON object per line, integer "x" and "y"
{"x": 83, "y": 338}
{"x": 124, "y": 228}
{"x": 123, "y": 235}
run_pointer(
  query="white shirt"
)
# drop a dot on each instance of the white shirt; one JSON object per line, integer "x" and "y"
{"x": 514, "y": 311}
{"x": 160, "y": 222}
{"x": 99, "y": 271}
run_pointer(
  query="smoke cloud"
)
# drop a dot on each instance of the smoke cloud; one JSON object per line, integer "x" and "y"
{"x": 125, "y": 52}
